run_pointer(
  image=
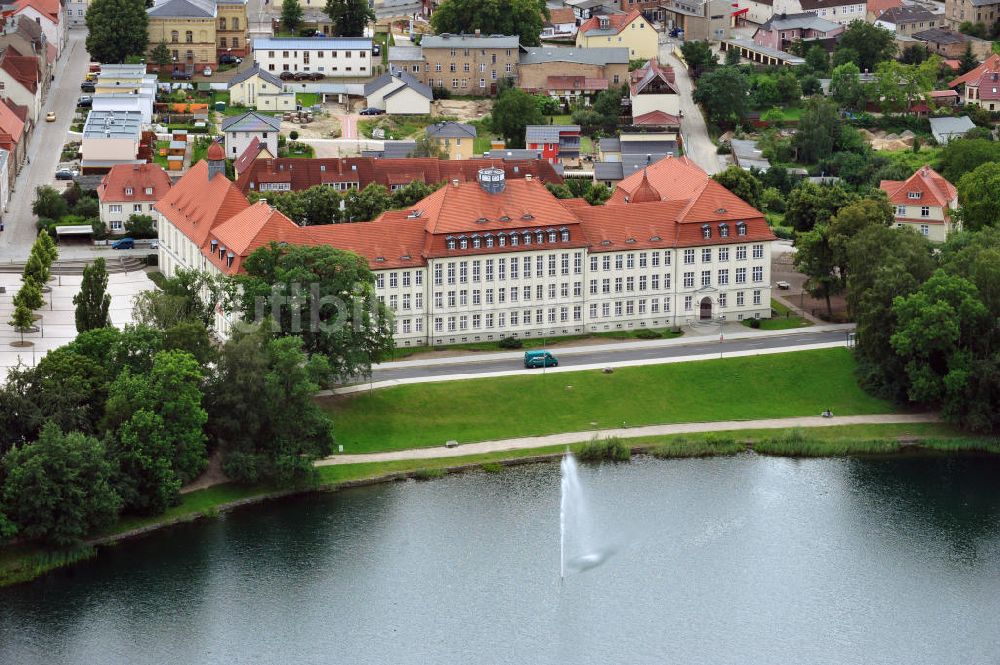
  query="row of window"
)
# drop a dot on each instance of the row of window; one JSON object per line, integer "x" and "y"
{"x": 288, "y": 68}
{"x": 723, "y": 254}
{"x": 116, "y": 208}
{"x": 394, "y": 279}
{"x": 500, "y": 239}
{"x": 723, "y": 277}
{"x": 318, "y": 54}
{"x": 628, "y": 260}
{"x": 706, "y": 230}
{"x": 925, "y": 211}
{"x": 482, "y": 52}
{"x": 508, "y": 68}
{"x": 502, "y": 319}
{"x": 500, "y": 296}
{"x": 501, "y": 268}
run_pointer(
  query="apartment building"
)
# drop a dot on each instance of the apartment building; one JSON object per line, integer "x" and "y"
{"x": 130, "y": 189}
{"x": 957, "y": 12}
{"x": 630, "y": 31}
{"x": 335, "y": 57}
{"x": 467, "y": 64}
{"x": 231, "y": 34}
{"x": 494, "y": 258}
{"x": 924, "y": 202}
{"x": 187, "y": 27}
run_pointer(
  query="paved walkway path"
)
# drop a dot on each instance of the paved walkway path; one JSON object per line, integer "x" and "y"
{"x": 526, "y": 443}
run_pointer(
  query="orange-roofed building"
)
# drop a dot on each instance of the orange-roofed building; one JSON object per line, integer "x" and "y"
{"x": 130, "y": 189}
{"x": 630, "y": 31}
{"x": 924, "y": 202}
{"x": 968, "y": 83}
{"x": 498, "y": 257}
{"x": 19, "y": 78}
{"x": 50, "y": 15}
{"x": 13, "y": 139}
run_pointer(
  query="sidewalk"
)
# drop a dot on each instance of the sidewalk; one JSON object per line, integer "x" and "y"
{"x": 620, "y": 346}
{"x": 630, "y": 432}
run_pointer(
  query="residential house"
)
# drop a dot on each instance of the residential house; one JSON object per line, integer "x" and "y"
{"x": 231, "y": 33}
{"x": 188, "y": 29}
{"x": 560, "y": 23}
{"x": 241, "y": 130}
{"x": 254, "y": 151}
{"x": 399, "y": 93}
{"x": 130, "y": 189}
{"x": 455, "y": 139}
{"x": 652, "y": 87}
{"x": 468, "y": 64}
{"x": 572, "y": 74}
{"x": 555, "y": 142}
{"x": 945, "y": 129}
{"x": 110, "y": 138}
{"x": 924, "y": 202}
{"x": 14, "y": 140}
{"x": 656, "y": 121}
{"x": 985, "y": 92}
{"x": 21, "y": 35}
{"x": 49, "y": 15}
{"x": 632, "y": 152}
{"x": 5, "y": 179}
{"x": 356, "y": 173}
{"x": 261, "y": 90}
{"x": 781, "y": 31}
{"x": 125, "y": 88}
{"x": 76, "y": 13}
{"x": 702, "y": 19}
{"x": 407, "y": 59}
{"x": 333, "y": 57}
{"x": 875, "y": 8}
{"x": 908, "y": 19}
{"x": 653, "y": 10}
{"x": 751, "y": 14}
{"x": 19, "y": 81}
{"x": 957, "y": 12}
{"x": 949, "y": 43}
{"x": 838, "y": 11}
{"x": 630, "y": 31}
{"x": 968, "y": 84}
{"x": 652, "y": 257}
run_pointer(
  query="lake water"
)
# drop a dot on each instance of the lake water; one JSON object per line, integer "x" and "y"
{"x": 740, "y": 560}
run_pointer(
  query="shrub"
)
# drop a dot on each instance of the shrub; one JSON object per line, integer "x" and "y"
{"x": 710, "y": 445}
{"x": 754, "y": 323}
{"x": 611, "y": 449}
{"x": 294, "y": 135}
{"x": 428, "y": 474}
{"x": 492, "y": 467}
{"x": 646, "y": 333}
{"x": 783, "y": 233}
{"x": 510, "y": 343}
{"x": 723, "y": 149}
{"x": 441, "y": 93}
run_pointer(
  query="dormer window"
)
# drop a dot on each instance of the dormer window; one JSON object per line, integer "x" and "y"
{"x": 451, "y": 243}
{"x": 128, "y": 191}
{"x": 527, "y": 217}
{"x": 706, "y": 231}
{"x": 629, "y": 241}
{"x": 552, "y": 236}
{"x": 565, "y": 235}
{"x": 605, "y": 242}
{"x": 149, "y": 191}
{"x": 489, "y": 241}
{"x": 502, "y": 240}
{"x": 539, "y": 237}
{"x": 514, "y": 239}
{"x": 913, "y": 195}
{"x": 527, "y": 238}
{"x": 505, "y": 218}
{"x": 477, "y": 242}
{"x": 463, "y": 243}
{"x": 655, "y": 239}
{"x": 723, "y": 230}
{"x": 741, "y": 228}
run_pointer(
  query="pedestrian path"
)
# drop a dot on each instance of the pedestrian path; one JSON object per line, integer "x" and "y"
{"x": 527, "y": 443}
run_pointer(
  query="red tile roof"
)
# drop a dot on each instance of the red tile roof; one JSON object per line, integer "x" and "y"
{"x": 991, "y": 64}
{"x": 575, "y": 83}
{"x": 933, "y": 189}
{"x": 215, "y": 152}
{"x": 876, "y": 7}
{"x": 196, "y": 205}
{"x": 561, "y": 15}
{"x": 137, "y": 178}
{"x": 10, "y": 123}
{"x": 245, "y": 232}
{"x": 645, "y": 192}
{"x": 656, "y": 118}
{"x": 50, "y": 8}
{"x": 616, "y": 22}
{"x": 20, "y": 111}
{"x": 305, "y": 173}
{"x": 652, "y": 74}
{"x": 22, "y": 68}
{"x": 989, "y": 86}
{"x": 673, "y": 177}
{"x": 248, "y": 156}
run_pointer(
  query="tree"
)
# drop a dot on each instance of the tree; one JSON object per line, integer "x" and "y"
{"x": 900, "y": 85}
{"x": 338, "y": 317}
{"x": 29, "y": 295}
{"x": 291, "y": 16}
{"x": 850, "y": 221}
{"x": 732, "y": 57}
{"x": 367, "y": 204}
{"x": 514, "y": 110}
{"x": 263, "y": 413}
{"x": 350, "y": 17}
{"x": 818, "y": 59}
{"x": 145, "y": 479}
{"x": 845, "y": 86}
{"x": 608, "y": 105}
{"x": 819, "y": 130}
{"x": 48, "y": 203}
{"x": 69, "y": 389}
{"x": 723, "y": 95}
{"x": 492, "y": 17}
{"x": 160, "y": 55}
{"x": 597, "y": 194}
{"x": 810, "y": 204}
{"x": 914, "y": 54}
{"x": 172, "y": 391}
{"x": 116, "y": 29}
{"x": 426, "y": 147}
{"x": 190, "y": 295}
{"x": 45, "y": 246}
{"x": 842, "y": 56}
{"x": 977, "y": 190}
{"x": 93, "y": 301}
{"x": 21, "y": 319}
{"x": 959, "y": 156}
{"x": 968, "y": 62}
{"x": 58, "y": 488}
{"x": 973, "y": 29}
{"x": 741, "y": 183}
{"x": 810, "y": 86}
{"x": 552, "y": 106}
{"x": 699, "y": 57}
{"x": 815, "y": 258}
{"x": 409, "y": 195}
{"x": 140, "y": 226}
{"x": 37, "y": 268}
{"x": 871, "y": 43}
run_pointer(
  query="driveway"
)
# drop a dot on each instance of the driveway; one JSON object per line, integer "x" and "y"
{"x": 348, "y": 125}
{"x": 697, "y": 145}
{"x": 44, "y": 148}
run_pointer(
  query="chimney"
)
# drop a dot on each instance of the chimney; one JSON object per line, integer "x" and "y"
{"x": 527, "y": 176}
{"x": 477, "y": 32}
{"x": 454, "y": 182}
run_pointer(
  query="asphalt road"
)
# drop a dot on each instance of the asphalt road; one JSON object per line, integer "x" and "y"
{"x": 697, "y": 144}
{"x": 44, "y": 149}
{"x": 572, "y": 356}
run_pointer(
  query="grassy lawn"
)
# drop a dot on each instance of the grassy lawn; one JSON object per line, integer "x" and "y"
{"x": 157, "y": 157}
{"x": 914, "y": 160}
{"x": 399, "y": 126}
{"x": 782, "y": 319}
{"x": 996, "y": 47}
{"x": 535, "y": 342}
{"x": 558, "y": 120}
{"x": 482, "y": 143}
{"x": 307, "y": 99}
{"x": 533, "y": 404}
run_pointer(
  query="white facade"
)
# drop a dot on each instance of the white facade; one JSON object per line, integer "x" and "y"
{"x": 12, "y": 88}
{"x": 237, "y": 142}
{"x": 55, "y": 31}
{"x": 76, "y": 12}
{"x": 347, "y": 57}
{"x": 123, "y": 101}
{"x": 5, "y": 158}
{"x": 842, "y": 14}
{"x": 396, "y": 98}
{"x": 646, "y": 103}
{"x": 114, "y": 213}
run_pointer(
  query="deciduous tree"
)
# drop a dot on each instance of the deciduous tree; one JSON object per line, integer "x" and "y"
{"x": 741, "y": 183}
{"x": 979, "y": 192}
{"x": 93, "y": 301}
{"x": 367, "y": 204}
{"x": 116, "y": 29}
{"x": 515, "y": 109}
{"x": 723, "y": 95}
{"x": 350, "y": 17}
{"x": 291, "y": 16}
{"x": 492, "y": 17}
{"x": 871, "y": 44}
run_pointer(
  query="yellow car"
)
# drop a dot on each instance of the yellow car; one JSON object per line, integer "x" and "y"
{"x": 50, "y": 116}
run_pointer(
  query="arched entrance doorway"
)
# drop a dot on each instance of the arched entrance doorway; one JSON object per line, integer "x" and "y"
{"x": 706, "y": 308}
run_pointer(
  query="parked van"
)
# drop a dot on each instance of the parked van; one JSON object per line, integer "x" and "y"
{"x": 533, "y": 359}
